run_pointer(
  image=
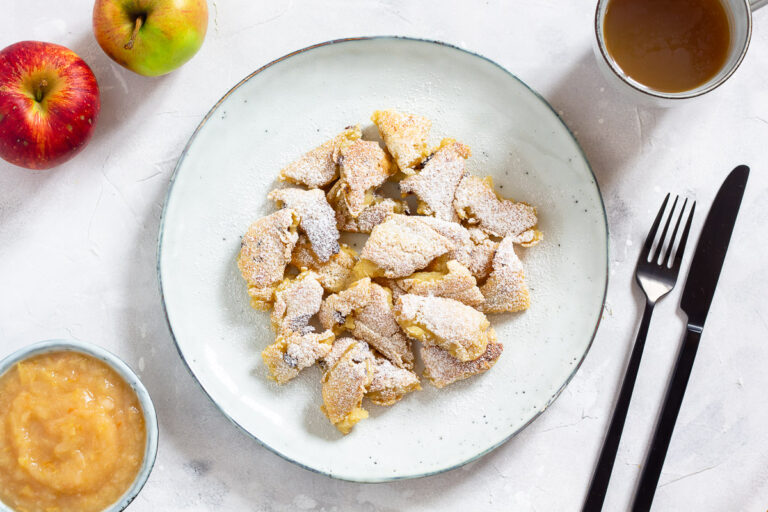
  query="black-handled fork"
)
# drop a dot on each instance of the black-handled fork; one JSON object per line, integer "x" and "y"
{"x": 656, "y": 273}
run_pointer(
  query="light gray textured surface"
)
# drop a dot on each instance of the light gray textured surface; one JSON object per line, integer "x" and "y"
{"x": 77, "y": 259}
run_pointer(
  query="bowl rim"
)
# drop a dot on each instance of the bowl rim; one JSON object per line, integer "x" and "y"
{"x": 356, "y": 39}
{"x": 600, "y": 10}
{"x": 127, "y": 374}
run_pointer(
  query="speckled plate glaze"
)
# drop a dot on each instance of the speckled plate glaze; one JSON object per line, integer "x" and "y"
{"x": 299, "y": 101}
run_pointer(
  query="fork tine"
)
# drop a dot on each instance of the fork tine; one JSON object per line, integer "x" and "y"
{"x": 683, "y": 239}
{"x": 652, "y": 233}
{"x": 663, "y": 236}
{"x": 666, "y": 261}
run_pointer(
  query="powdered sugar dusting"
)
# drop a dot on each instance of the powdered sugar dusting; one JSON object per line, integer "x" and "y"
{"x": 405, "y": 136}
{"x": 435, "y": 185}
{"x": 457, "y": 234}
{"x": 476, "y": 202}
{"x": 363, "y": 167}
{"x": 319, "y": 166}
{"x": 457, "y": 283}
{"x": 366, "y": 310}
{"x": 373, "y": 214}
{"x": 390, "y": 383}
{"x": 456, "y": 327}
{"x": 441, "y": 368}
{"x": 265, "y": 252}
{"x": 296, "y": 302}
{"x": 506, "y": 290}
{"x": 402, "y": 245}
{"x": 331, "y": 274}
{"x": 318, "y": 220}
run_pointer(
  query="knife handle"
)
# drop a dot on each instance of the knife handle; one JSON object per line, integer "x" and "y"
{"x": 666, "y": 424}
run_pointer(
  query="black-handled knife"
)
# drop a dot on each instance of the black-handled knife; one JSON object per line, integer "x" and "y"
{"x": 697, "y": 298}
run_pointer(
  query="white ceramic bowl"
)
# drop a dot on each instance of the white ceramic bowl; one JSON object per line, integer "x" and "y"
{"x": 124, "y": 371}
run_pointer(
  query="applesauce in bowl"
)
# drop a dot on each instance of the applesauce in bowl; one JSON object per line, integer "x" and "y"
{"x": 78, "y": 431}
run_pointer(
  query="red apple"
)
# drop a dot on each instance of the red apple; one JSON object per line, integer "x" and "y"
{"x": 150, "y": 37}
{"x": 49, "y": 103}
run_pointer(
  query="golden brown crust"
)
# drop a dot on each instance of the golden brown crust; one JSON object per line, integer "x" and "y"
{"x": 297, "y": 346}
{"x": 505, "y": 290}
{"x": 318, "y": 220}
{"x": 345, "y": 382}
{"x": 402, "y": 245}
{"x": 292, "y": 352}
{"x": 332, "y": 274}
{"x": 297, "y": 300}
{"x": 405, "y": 135}
{"x": 365, "y": 310}
{"x": 435, "y": 185}
{"x": 371, "y": 216}
{"x": 477, "y": 203}
{"x": 447, "y": 323}
{"x": 481, "y": 254}
{"x": 441, "y": 368}
{"x": 390, "y": 383}
{"x": 455, "y": 283}
{"x": 319, "y": 167}
{"x": 415, "y": 279}
{"x": 265, "y": 252}
{"x": 363, "y": 167}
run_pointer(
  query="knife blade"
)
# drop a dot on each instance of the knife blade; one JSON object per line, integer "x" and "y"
{"x": 710, "y": 251}
{"x": 697, "y": 298}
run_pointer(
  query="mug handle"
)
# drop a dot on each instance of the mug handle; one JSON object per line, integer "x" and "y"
{"x": 756, "y": 4}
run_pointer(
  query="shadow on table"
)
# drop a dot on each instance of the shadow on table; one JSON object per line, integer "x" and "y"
{"x": 122, "y": 92}
{"x": 612, "y": 129}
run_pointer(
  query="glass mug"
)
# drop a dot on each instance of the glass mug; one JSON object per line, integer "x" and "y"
{"x": 739, "y": 14}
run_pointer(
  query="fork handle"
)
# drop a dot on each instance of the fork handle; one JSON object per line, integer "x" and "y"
{"x": 666, "y": 423}
{"x": 599, "y": 485}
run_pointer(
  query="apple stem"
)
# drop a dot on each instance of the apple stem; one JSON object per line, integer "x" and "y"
{"x": 136, "y": 28}
{"x": 40, "y": 90}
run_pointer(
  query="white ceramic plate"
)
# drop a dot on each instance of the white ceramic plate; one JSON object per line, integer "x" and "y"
{"x": 299, "y": 101}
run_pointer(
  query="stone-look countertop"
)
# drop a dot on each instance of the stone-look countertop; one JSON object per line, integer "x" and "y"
{"x": 77, "y": 260}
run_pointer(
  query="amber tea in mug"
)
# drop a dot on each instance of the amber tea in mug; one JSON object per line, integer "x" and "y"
{"x": 668, "y": 45}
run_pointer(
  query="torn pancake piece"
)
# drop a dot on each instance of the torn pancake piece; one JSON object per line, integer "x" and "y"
{"x": 390, "y": 383}
{"x": 477, "y": 203}
{"x": 265, "y": 252}
{"x": 460, "y": 237}
{"x": 400, "y": 246}
{"x": 446, "y": 323}
{"x": 297, "y": 346}
{"x": 505, "y": 290}
{"x": 435, "y": 185}
{"x": 529, "y": 238}
{"x": 332, "y": 274}
{"x": 363, "y": 167}
{"x": 482, "y": 252}
{"x": 365, "y": 310}
{"x": 472, "y": 247}
{"x": 292, "y": 352}
{"x": 455, "y": 283}
{"x": 349, "y": 372}
{"x": 320, "y": 166}
{"x": 318, "y": 220}
{"x": 371, "y": 216}
{"x": 297, "y": 300}
{"x": 405, "y": 136}
{"x": 441, "y": 368}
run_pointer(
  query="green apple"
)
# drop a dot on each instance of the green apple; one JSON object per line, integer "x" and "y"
{"x": 150, "y": 37}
